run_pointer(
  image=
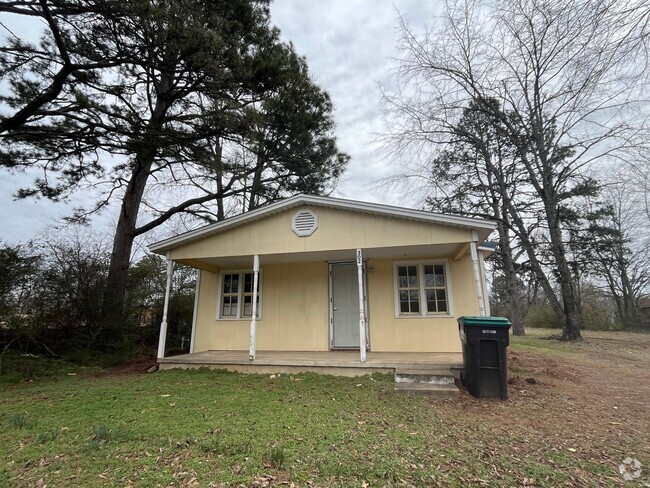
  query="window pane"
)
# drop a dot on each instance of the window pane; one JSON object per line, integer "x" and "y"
{"x": 404, "y": 307}
{"x": 428, "y": 276}
{"x": 248, "y": 282}
{"x": 401, "y": 270}
{"x": 234, "y": 283}
{"x": 441, "y": 295}
{"x": 229, "y": 307}
{"x": 403, "y": 281}
{"x": 431, "y": 300}
{"x": 440, "y": 275}
{"x": 412, "y": 270}
{"x": 248, "y": 306}
{"x": 442, "y": 306}
{"x": 414, "y": 301}
{"x": 403, "y": 296}
{"x": 413, "y": 281}
{"x": 226, "y": 283}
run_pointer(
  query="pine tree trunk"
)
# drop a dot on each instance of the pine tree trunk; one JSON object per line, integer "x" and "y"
{"x": 218, "y": 155}
{"x": 113, "y": 304}
{"x": 256, "y": 187}
{"x": 113, "y": 317}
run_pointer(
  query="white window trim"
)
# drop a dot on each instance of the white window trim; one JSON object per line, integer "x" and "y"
{"x": 423, "y": 314}
{"x": 240, "y": 300}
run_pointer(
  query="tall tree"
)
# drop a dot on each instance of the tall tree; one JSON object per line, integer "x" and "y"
{"x": 470, "y": 177}
{"x": 616, "y": 250}
{"x": 291, "y": 136}
{"x": 568, "y": 79}
{"x": 186, "y": 74}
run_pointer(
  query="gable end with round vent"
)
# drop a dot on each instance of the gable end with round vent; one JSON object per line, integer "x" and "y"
{"x": 304, "y": 223}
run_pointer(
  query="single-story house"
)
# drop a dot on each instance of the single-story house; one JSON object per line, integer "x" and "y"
{"x": 313, "y": 278}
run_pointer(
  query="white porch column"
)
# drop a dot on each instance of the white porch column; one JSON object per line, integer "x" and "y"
{"x": 163, "y": 325}
{"x": 477, "y": 274}
{"x": 362, "y": 313}
{"x": 197, "y": 290}
{"x": 486, "y": 299}
{"x": 256, "y": 273}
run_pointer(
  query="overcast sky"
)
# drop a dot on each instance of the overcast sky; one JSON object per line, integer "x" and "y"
{"x": 349, "y": 46}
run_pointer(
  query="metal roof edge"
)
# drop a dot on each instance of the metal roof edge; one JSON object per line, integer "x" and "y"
{"x": 302, "y": 199}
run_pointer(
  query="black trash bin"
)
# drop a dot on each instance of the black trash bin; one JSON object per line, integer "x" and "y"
{"x": 485, "y": 340}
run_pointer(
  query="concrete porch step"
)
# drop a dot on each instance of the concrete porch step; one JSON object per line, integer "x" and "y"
{"x": 437, "y": 390}
{"x": 433, "y": 380}
{"x": 436, "y": 376}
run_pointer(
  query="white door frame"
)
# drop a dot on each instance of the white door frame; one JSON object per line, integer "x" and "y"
{"x": 331, "y": 301}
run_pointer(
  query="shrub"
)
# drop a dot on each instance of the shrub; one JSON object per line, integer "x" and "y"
{"x": 542, "y": 315}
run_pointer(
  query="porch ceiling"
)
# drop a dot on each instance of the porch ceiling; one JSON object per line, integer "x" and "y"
{"x": 434, "y": 251}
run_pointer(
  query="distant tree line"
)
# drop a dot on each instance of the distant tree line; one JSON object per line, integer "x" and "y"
{"x": 51, "y": 292}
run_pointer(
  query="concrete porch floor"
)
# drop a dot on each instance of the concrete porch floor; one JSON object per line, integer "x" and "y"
{"x": 342, "y": 363}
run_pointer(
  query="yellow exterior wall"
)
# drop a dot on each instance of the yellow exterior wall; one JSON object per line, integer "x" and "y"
{"x": 337, "y": 229}
{"x": 295, "y": 312}
{"x": 415, "y": 334}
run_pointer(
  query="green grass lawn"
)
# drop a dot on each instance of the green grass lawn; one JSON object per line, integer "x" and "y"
{"x": 214, "y": 428}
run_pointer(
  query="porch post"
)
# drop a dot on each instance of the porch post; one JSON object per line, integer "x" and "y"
{"x": 362, "y": 314}
{"x": 486, "y": 300}
{"x": 163, "y": 325}
{"x": 477, "y": 274}
{"x": 197, "y": 290}
{"x": 256, "y": 273}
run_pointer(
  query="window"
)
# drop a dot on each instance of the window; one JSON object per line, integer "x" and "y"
{"x": 236, "y": 295}
{"x": 422, "y": 289}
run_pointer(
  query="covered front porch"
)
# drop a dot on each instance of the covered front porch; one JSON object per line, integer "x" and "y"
{"x": 341, "y": 363}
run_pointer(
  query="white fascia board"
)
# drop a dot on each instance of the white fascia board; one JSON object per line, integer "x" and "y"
{"x": 161, "y": 247}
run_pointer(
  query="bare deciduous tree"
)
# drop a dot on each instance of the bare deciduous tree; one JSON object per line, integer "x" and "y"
{"x": 567, "y": 76}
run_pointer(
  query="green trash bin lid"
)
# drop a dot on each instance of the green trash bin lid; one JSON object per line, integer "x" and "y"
{"x": 472, "y": 321}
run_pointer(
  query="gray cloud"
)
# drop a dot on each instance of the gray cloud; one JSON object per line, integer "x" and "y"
{"x": 350, "y": 46}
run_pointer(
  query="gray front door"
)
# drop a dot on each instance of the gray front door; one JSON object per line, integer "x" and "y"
{"x": 344, "y": 295}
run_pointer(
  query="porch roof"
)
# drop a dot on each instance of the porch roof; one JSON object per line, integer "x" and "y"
{"x": 483, "y": 227}
{"x": 402, "y": 253}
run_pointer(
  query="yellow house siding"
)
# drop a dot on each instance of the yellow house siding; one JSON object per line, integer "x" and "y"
{"x": 337, "y": 230}
{"x": 295, "y": 312}
{"x": 426, "y": 334}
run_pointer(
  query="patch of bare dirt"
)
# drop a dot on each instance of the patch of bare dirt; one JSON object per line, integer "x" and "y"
{"x": 589, "y": 403}
{"x": 135, "y": 366}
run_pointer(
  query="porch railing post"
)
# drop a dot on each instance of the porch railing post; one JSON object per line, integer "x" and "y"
{"x": 362, "y": 313}
{"x": 163, "y": 325}
{"x": 256, "y": 273}
{"x": 477, "y": 274}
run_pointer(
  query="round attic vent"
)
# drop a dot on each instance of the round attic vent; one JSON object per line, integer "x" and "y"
{"x": 304, "y": 223}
